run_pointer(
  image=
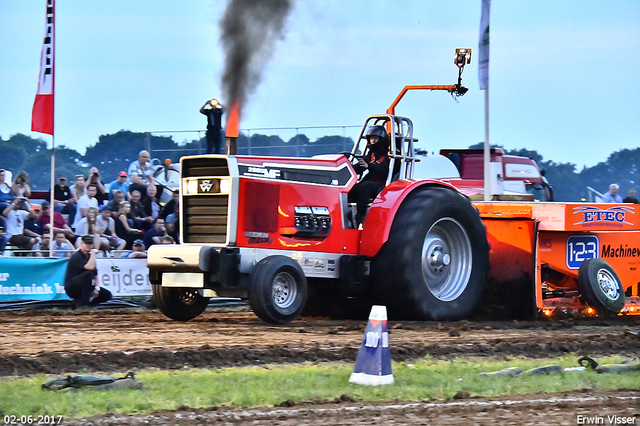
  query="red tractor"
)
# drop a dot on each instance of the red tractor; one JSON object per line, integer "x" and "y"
{"x": 281, "y": 233}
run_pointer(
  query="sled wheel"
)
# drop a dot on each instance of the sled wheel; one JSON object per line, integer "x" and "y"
{"x": 435, "y": 262}
{"x": 277, "y": 290}
{"x": 600, "y": 286}
{"x": 178, "y": 303}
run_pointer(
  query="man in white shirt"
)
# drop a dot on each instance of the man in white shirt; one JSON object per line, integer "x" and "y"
{"x": 87, "y": 200}
{"x": 16, "y": 213}
{"x": 612, "y": 196}
{"x": 106, "y": 227}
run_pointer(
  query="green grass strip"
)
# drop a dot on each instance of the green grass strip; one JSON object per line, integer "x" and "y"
{"x": 270, "y": 385}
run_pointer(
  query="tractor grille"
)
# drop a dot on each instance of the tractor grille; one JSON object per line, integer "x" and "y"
{"x": 206, "y": 167}
{"x": 205, "y": 216}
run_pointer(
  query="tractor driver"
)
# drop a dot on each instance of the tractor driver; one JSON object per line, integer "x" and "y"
{"x": 376, "y": 161}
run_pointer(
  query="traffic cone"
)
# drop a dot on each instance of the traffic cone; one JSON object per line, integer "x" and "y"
{"x": 373, "y": 365}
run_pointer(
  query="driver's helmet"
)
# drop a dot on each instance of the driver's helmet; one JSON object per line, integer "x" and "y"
{"x": 379, "y": 131}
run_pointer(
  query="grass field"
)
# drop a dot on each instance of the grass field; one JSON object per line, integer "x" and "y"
{"x": 270, "y": 385}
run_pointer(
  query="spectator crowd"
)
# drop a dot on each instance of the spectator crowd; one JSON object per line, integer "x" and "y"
{"x": 123, "y": 214}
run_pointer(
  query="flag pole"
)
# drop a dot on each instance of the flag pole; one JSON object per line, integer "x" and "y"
{"x": 483, "y": 76}
{"x": 52, "y": 206}
{"x": 42, "y": 119}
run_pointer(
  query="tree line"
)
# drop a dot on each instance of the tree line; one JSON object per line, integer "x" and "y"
{"x": 113, "y": 153}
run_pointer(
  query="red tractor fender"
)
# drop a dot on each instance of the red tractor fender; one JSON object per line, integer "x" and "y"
{"x": 377, "y": 224}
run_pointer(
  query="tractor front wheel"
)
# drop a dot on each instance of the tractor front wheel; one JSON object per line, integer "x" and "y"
{"x": 277, "y": 289}
{"x": 180, "y": 304}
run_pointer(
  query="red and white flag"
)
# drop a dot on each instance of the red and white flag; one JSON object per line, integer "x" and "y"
{"x": 42, "y": 117}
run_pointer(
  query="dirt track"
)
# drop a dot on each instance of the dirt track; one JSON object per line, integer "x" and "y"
{"x": 58, "y": 342}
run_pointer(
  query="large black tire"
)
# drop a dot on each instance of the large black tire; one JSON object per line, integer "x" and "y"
{"x": 600, "y": 287}
{"x": 180, "y": 304}
{"x": 435, "y": 262}
{"x": 277, "y": 290}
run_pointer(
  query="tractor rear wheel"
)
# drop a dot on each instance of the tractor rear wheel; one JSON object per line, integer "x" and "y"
{"x": 277, "y": 289}
{"x": 600, "y": 287}
{"x": 180, "y": 304}
{"x": 435, "y": 262}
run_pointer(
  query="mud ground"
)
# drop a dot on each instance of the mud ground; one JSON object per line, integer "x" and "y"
{"x": 64, "y": 341}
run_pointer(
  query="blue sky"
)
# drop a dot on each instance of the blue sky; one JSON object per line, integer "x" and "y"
{"x": 563, "y": 74}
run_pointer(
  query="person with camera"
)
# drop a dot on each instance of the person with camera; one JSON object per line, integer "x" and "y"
{"x": 94, "y": 179}
{"x": 213, "y": 110}
{"x": 16, "y": 213}
{"x": 81, "y": 281}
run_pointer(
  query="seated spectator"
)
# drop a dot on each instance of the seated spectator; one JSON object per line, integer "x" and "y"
{"x": 155, "y": 234}
{"x": 78, "y": 188}
{"x": 170, "y": 205}
{"x": 61, "y": 246}
{"x": 87, "y": 226}
{"x": 6, "y": 194}
{"x": 94, "y": 179}
{"x": 84, "y": 203}
{"x": 63, "y": 199}
{"x": 141, "y": 174}
{"x": 150, "y": 204}
{"x": 16, "y": 213}
{"x": 141, "y": 219}
{"x": 3, "y": 236}
{"x": 138, "y": 251}
{"x": 20, "y": 186}
{"x": 172, "y": 223}
{"x": 167, "y": 239}
{"x": 120, "y": 184}
{"x": 124, "y": 228}
{"x": 59, "y": 223}
{"x": 32, "y": 227}
{"x": 107, "y": 230}
{"x": 114, "y": 205}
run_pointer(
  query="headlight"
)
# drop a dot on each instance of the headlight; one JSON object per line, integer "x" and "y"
{"x": 190, "y": 186}
{"x": 225, "y": 186}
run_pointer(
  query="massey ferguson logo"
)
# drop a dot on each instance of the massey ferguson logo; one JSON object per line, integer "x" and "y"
{"x": 595, "y": 215}
{"x": 206, "y": 185}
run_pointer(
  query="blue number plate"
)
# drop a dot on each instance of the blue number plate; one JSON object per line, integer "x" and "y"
{"x": 581, "y": 248}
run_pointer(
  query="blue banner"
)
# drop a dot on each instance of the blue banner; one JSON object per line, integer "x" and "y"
{"x": 37, "y": 278}
{"x": 32, "y": 279}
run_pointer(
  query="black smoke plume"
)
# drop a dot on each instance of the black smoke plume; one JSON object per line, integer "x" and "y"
{"x": 249, "y": 31}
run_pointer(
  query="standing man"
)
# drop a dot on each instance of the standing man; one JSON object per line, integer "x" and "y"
{"x": 81, "y": 279}
{"x": 631, "y": 197}
{"x": 140, "y": 173}
{"x": 612, "y": 196}
{"x": 214, "y": 125}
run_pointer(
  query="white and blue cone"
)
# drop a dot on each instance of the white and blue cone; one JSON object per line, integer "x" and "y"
{"x": 373, "y": 365}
